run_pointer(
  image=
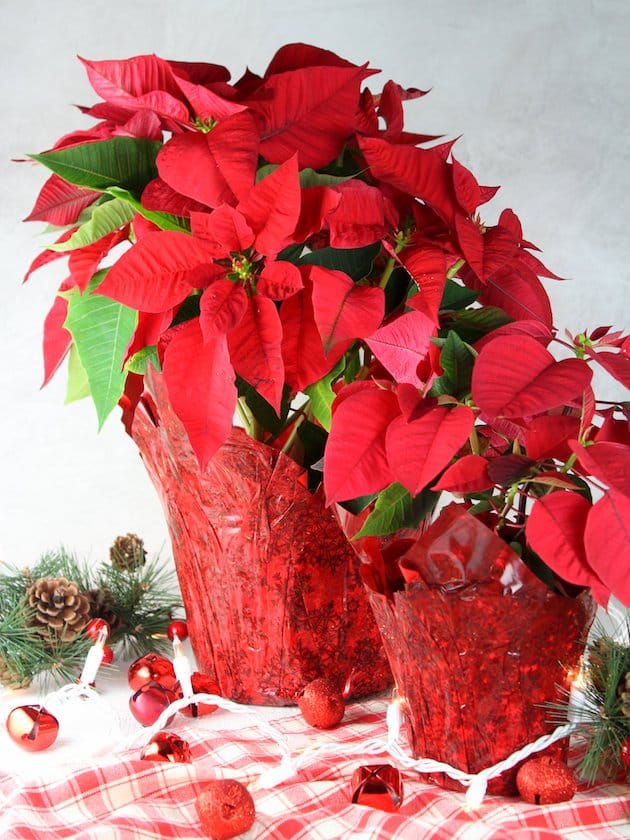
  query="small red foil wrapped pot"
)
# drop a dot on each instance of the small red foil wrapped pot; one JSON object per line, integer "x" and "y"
{"x": 476, "y": 643}
{"x": 272, "y": 589}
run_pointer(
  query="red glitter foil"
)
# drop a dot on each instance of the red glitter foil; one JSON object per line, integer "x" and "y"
{"x": 272, "y": 590}
{"x": 476, "y": 643}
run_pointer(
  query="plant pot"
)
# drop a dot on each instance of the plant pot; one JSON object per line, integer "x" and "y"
{"x": 272, "y": 590}
{"x": 475, "y": 653}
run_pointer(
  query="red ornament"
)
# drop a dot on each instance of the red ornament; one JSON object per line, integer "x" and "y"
{"x": 544, "y": 780}
{"x": 177, "y": 628}
{"x": 108, "y": 655}
{"x": 167, "y": 746}
{"x": 377, "y": 786}
{"x": 149, "y": 701}
{"x": 202, "y": 684}
{"x": 151, "y": 668}
{"x": 94, "y": 627}
{"x": 32, "y": 727}
{"x": 624, "y": 752}
{"x": 321, "y": 703}
{"x": 225, "y": 808}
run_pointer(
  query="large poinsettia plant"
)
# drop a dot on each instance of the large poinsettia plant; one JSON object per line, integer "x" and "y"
{"x": 282, "y": 247}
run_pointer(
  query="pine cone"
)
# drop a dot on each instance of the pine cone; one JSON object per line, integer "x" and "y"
{"x": 9, "y": 678}
{"x": 103, "y": 605}
{"x": 127, "y": 553}
{"x": 623, "y": 692}
{"x": 59, "y": 606}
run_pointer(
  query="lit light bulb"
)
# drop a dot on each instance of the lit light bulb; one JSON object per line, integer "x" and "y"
{"x": 182, "y": 668}
{"x": 93, "y": 659}
{"x": 394, "y": 719}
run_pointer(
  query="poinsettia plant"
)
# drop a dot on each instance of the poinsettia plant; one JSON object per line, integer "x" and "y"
{"x": 281, "y": 247}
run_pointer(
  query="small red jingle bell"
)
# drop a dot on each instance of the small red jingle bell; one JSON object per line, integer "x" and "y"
{"x": 167, "y": 746}
{"x": 32, "y": 728}
{"x": 149, "y": 701}
{"x": 377, "y": 786}
{"x": 151, "y": 668}
{"x": 201, "y": 684}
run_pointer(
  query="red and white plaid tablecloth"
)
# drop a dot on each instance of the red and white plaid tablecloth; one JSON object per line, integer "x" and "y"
{"x": 123, "y": 798}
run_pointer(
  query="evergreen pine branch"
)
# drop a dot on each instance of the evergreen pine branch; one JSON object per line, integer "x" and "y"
{"x": 144, "y": 600}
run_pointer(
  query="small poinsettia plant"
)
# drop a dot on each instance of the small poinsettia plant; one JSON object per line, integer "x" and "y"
{"x": 282, "y": 248}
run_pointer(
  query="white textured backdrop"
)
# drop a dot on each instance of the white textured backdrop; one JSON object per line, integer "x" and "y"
{"x": 538, "y": 88}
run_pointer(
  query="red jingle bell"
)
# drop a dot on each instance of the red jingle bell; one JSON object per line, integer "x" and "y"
{"x": 321, "y": 703}
{"x": 151, "y": 668}
{"x": 94, "y": 627}
{"x": 167, "y": 746}
{"x": 202, "y": 684}
{"x": 377, "y": 786}
{"x": 177, "y": 628}
{"x": 149, "y": 701}
{"x": 624, "y": 752}
{"x": 225, "y": 808}
{"x": 32, "y": 728}
{"x": 108, "y": 655}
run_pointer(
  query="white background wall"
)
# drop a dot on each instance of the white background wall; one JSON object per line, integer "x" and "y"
{"x": 539, "y": 88}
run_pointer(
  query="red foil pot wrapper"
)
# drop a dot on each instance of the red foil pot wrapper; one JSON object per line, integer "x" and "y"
{"x": 272, "y": 589}
{"x": 476, "y": 644}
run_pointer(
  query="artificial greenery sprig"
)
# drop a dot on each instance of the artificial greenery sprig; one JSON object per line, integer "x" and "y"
{"x": 603, "y": 717}
{"x": 142, "y": 601}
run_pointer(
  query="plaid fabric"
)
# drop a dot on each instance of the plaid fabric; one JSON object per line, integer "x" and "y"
{"x": 123, "y": 798}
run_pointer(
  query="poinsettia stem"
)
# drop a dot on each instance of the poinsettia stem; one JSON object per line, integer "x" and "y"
{"x": 473, "y": 439}
{"x": 248, "y": 419}
{"x": 387, "y": 273}
{"x": 291, "y": 439}
{"x": 454, "y": 269}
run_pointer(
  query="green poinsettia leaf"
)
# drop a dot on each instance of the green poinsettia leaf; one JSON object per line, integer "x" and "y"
{"x": 105, "y": 219}
{"x": 127, "y": 162}
{"x": 472, "y": 324}
{"x": 140, "y": 361}
{"x": 396, "y": 509}
{"x": 308, "y": 177}
{"x": 457, "y": 359}
{"x": 322, "y": 395}
{"x": 78, "y": 386}
{"x": 165, "y": 221}
{"x": 456, "y": 296}
{"x": 355, "y": 262}
{"x": 101, "y": 330}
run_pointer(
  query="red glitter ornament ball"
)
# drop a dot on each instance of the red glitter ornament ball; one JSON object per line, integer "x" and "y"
{"x": 108, "y": 655}
{"x": 32, "y": 728}
{"x": 225, "y": 808}
{"x": 321, "y": 703}
{"x": 94, "y": 627}
{"x": 177, "y": 628}
{"x": 149, "y": 701}
{"x": 624, "y": 752}
{"x": 544, "y": 780}
{"x": 151, "y": 668}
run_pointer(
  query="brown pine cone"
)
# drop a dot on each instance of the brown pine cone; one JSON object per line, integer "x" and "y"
{"x": 102, "y": 605}
{"x": 127, "y": 553}
{"x": 623, "y": 692}
{"x": 10, "y": 679}
{"x": 59, "y": 606}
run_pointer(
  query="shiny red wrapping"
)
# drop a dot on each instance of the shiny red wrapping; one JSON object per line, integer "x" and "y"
{"x": 272, "y": 590}
{"x": 476, "y": 643}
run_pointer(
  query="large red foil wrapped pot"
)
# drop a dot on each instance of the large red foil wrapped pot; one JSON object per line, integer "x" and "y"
{"x": 272, "y": 590}
{"x": 476, "y": 643}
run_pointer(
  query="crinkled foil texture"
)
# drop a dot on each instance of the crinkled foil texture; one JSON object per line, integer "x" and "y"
{"x": 476, "y": 644}
{"x": 271, "y": 588}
